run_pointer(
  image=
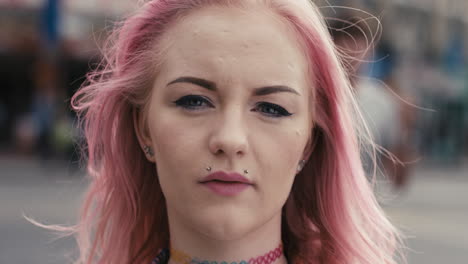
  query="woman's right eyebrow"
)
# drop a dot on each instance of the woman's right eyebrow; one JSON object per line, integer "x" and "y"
{"x": 197, "y": 81}
{"x": 212, "y": 86}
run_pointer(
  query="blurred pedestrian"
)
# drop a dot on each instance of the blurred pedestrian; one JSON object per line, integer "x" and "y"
{"x": 44, "y": 106}
{"x": 387, "y": 114}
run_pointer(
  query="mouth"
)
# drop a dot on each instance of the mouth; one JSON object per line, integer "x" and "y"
{"x": 226, "y": 177}
{"x": 225, "y": 182}
{"x": 226, "y": 188}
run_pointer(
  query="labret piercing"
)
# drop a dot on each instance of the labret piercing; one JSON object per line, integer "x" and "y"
{"x": 300, "y": 166}
{"x": 209, "y": 169}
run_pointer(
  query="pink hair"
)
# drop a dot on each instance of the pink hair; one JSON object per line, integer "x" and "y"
{"x": 331, "y": 215}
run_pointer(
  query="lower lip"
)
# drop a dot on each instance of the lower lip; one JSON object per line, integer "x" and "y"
{"x": 226, "y": 189}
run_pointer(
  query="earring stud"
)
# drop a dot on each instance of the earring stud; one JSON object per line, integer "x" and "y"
{"x": 246, "y": 172}
{"x": 148, "y": 150}
{"x": 300, "y": 166}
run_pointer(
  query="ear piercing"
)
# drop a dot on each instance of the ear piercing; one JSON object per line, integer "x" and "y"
{"x": 300, "y": 166}
{"x": 148, "y": 150}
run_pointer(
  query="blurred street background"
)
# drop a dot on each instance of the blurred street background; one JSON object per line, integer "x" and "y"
{"x": 412, "y": 86}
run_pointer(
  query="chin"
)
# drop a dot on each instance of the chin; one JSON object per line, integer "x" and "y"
{"x": 224, "y": 228}
{"x": 224, "y": 232}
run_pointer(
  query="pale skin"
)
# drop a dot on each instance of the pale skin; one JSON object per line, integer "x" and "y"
{"x": 230, "y": 122}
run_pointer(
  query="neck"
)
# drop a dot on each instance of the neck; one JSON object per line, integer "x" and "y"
{"x": 272, "y": 257}
{"x": 188, "y": 245}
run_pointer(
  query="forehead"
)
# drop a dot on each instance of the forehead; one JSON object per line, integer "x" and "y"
{"x": 235, "y": 42}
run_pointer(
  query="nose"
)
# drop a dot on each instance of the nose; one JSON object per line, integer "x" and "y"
{"x": 229, "y": 136}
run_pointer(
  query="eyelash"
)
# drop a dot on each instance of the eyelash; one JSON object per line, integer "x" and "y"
{"x": 187, "y": 101}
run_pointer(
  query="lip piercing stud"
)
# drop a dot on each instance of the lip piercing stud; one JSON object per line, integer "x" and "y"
{"x": 209, "y": 169}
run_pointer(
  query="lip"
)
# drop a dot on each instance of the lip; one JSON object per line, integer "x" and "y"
{"x": 226, "y": 188}
{"x": 232, "y": 177}
{"x": 226, "y": 184}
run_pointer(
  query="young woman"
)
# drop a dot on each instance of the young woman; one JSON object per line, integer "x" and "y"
{"x": 225, "y": 131}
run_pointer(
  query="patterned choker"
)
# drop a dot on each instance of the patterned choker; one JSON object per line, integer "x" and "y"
{"x": 182, "y": 258}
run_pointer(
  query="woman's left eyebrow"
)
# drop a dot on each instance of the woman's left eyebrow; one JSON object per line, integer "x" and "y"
{"x": 212, "y": 86}
{"x": 274, "y": 89}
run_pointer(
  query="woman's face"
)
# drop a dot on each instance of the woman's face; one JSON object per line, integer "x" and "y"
{"x": 232, "y": 94}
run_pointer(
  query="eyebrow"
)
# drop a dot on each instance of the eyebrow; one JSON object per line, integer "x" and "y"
{"x": 212, "y": 86}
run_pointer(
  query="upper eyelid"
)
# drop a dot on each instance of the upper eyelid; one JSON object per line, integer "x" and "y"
{"x": 277, "y": 105}
{"x": 197, "y": 97}
{"x": 209, "y": 101}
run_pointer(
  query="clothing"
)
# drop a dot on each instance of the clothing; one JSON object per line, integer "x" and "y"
{"x": 162, "y": 257}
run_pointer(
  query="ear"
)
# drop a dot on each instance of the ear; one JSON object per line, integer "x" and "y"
{"x": 142, "y": 132}
{"x": 307, "y": 150}
{"x": 310, "y": 146}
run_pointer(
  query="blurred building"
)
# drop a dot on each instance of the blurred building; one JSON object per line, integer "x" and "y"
{"x": 428, "y": 39}
{"x": 429, "y": 44}
{"x": 46, "y": 48}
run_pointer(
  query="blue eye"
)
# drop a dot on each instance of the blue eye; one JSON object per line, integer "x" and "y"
{"x": 271, "y": 110}
{"x": 193, "y": 102}
{"x": 197, "y": 102}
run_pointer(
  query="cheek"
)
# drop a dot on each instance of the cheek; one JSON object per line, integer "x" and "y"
{"x": 282, "y": 151}
{"x": 286, "y": 147}
{"x": 176, "y": 147}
